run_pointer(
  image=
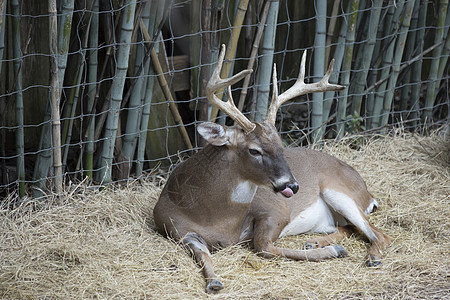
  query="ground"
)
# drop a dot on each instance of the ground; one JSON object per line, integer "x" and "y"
{"x": 102, "y": 244}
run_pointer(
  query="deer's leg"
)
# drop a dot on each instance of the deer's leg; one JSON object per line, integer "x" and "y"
{"x": 329, "y": 239}
{"x": 347, "y": 207}
{"x": 202, "y": 256}
{"x": 267, "y": 230}
{"x": 379, "y": 245}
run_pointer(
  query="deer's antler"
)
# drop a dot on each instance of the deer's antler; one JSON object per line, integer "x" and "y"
{"x": 299, "y": 88}
{"x": 216, "y": 83}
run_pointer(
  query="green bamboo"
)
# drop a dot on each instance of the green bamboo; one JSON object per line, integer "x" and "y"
{"x": 417, "y": 67}
{"x": 91, "y": 89}
{"x": 64, "y": 29}
{"x": 409, "y": 51}
{"x": 17, "y": 52}
{"x": 391, "y": 28}
{"x": 44, "y": 157}
{"x": 55, "y": 98}
{"x": 152, "y": 22}
{"x": 362, "y": 28}
{"x": 367, "y": 52}
{"x": 399, "y": 47}
{"x": 361, "y": 15}
{"x": 194, "y": 59}
{"x": 3, "y": 175}
{"x": 331, "y": 27}
{"x": 134, "y": 107}
{"x": 2, "y": 30}
{"x": 112, "y": 121}
{"x": 266, "y": 65}
{"x": 445, "y": 52}
{"x": 319, "y": 66}
{"x": 376, "y": 65}
{"x": 346, "y": 66}
{"x": 434, "y": 68}
{"x": 338, "y": 57}
{"x": 74, "y": 96}
{"x": 231, "y": 48}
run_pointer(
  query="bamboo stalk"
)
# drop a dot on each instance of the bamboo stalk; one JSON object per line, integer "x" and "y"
{"x": 134, "y": 108}
{"x": 253, "y": 54}
{"x": 434, "y": 68}
{"x": 165, "y": 88}
{"x": 64, "y": 29}
{"x": 391, "y": 28}
{"x": 319, "y": 66}
{"x": 112, "y": 121}
{"x": 101, "y": 120}
{"x": 194, "y": 58}
{"x": 417, "y": 67}
{"x": 346, "y": 66}
{"x": 445, "y": 52}
{"x": 264, "y": 73}
{"x": 74, "y": 96}
{"x": 399, "y": 47}
{"x": 205, "y": 57}
{"x": 19, "y": 98}
{"x": 55, "y": 97}
{"x": 375, "y": 64}
{"x": 91, "y": 90}
{"x": 44, "y": 157}
{"x": 362, "y": 29}
{"x": 2, "y": 103}
{"x": 409, "y": 51}
{"x": 338, "y": 58}
{"x": 361, "y": 77}
{"x": 404, "y": 65}
{"x": 2, "y": 30}
{"x": 151, "y": 22}
{"x": 231, "y": 48}
{"x": 331, "y": 27}
{"x": 218, "y": 7}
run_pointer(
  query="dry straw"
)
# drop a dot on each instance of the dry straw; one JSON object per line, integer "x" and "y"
{"x": 102, "y": 244}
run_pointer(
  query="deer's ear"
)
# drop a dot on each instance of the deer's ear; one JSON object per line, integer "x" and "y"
{"x": 213, "y": 133}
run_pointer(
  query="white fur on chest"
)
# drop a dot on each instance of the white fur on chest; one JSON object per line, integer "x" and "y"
{"x": 316, "y": 218}
{"x": 244, "y": 192}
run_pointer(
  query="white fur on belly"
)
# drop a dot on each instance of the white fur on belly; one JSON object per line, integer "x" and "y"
{"x": 316, "y": 218}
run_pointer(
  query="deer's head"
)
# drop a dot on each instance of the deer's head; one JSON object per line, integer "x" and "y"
{"x": 255, "y": 147}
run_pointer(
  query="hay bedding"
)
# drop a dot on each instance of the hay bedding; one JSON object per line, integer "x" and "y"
{"x": 102, "y": 244}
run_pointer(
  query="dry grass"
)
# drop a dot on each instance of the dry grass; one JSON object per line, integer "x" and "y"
{"x": 101, "y": 244}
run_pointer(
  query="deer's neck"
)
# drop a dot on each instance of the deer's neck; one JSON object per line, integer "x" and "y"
{"x": 244, "y": 192}
{"x": 219, "y": 169}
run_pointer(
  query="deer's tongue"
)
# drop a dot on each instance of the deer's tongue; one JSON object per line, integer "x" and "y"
{"x": 287, "y": 192}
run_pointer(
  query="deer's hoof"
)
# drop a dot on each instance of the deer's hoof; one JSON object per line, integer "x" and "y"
{"x": 340, "y": 251}
{"x": 213, "y": 286}
{"x": 374, "y": 262}
{"x": 311, "y": 245}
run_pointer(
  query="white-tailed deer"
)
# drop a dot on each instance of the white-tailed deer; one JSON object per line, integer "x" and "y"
{"x": 212, "y": 199}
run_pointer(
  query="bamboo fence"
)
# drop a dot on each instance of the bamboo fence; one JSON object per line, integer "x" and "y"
{"x": 106, "y": 91}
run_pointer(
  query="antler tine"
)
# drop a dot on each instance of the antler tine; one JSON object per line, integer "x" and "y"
{"x": 301, "y": 88}
{"x": 274, "y": 103}
{"x": 216, "y": 83}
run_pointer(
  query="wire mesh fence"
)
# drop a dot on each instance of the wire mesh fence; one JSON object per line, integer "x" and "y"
{"x": 129, "y": 78}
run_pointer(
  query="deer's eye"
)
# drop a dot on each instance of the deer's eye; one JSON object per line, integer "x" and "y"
{"x": 254, "y": 152}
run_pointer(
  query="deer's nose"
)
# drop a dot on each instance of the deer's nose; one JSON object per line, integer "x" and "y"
{"x": 294, "y": 187}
